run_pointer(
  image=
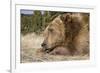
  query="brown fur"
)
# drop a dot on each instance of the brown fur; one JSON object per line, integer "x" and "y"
{"x": 67, "y": 35}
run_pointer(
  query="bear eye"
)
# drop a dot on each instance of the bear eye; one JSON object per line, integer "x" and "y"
{"x": 50, "y": 29}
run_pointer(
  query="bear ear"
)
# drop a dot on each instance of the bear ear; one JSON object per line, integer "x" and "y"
{"x": 66, "y": 17}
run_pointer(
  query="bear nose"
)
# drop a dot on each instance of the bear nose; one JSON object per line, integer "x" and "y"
{"x": 43, "y": 44}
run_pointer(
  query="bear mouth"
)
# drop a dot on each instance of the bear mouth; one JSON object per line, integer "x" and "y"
{"x": 48, "y": 50}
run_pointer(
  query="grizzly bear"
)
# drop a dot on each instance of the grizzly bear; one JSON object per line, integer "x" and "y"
{"x": 67, "y": 34}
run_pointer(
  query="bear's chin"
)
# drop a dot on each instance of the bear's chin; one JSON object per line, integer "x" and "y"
{"x": 60, "y": 51}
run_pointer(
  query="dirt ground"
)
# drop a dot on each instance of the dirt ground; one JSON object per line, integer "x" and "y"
{"x": 31, "y": 43}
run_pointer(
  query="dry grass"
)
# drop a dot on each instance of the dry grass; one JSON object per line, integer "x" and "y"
{"x": 30, "y": 51}
{"x": 31, "y": 41}
{"x": 31, "y": 55}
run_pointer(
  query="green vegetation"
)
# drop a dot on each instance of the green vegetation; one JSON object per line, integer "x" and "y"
{"x": 37, "y": 21}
